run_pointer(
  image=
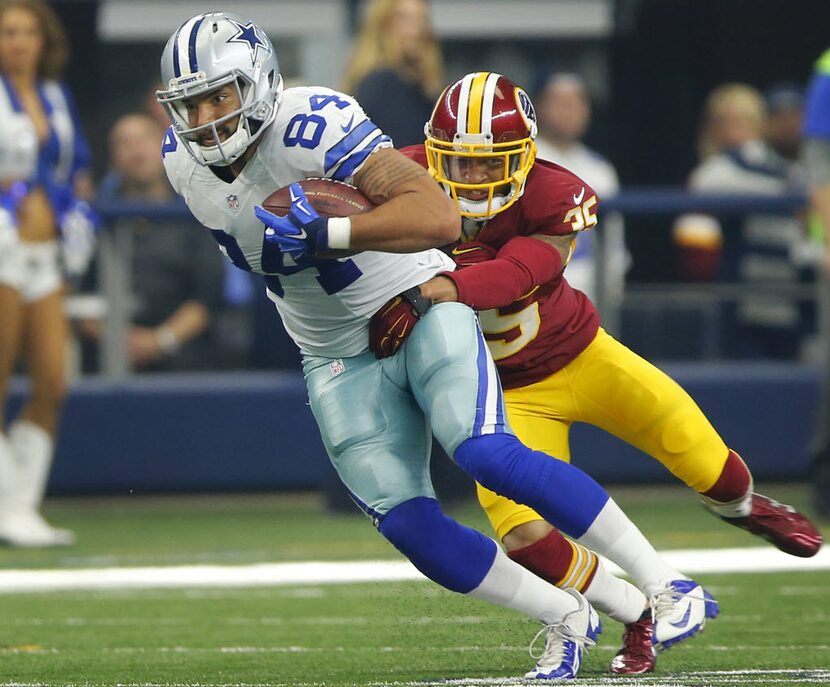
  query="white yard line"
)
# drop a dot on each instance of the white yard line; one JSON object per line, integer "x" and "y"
{"x": 761, "y": 559}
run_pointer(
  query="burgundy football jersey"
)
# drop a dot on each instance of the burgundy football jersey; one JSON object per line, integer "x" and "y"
{"x": 546, "y": 329}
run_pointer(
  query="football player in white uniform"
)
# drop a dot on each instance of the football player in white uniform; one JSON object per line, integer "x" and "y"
{"x": 236, "y": 137}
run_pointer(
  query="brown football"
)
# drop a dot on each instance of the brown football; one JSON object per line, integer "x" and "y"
{"x": 329, "y": 197}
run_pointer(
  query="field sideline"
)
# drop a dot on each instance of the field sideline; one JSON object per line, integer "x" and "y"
{"x": 693, "y": 562}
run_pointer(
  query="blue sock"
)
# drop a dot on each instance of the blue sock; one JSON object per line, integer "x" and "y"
{"x": 563, "y": 495}
{"x": 454, "y": 556}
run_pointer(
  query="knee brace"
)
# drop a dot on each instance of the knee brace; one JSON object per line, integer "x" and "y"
{"x": 562, "y": 494}
{"x": 454, "y": 556}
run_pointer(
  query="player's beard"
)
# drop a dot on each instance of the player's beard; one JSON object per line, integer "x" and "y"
{"x": 207, "y": 140}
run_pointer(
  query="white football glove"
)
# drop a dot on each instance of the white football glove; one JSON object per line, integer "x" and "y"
{"x": 79, "y": 229}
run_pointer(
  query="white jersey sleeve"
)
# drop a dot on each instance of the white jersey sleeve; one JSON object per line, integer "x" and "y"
{"x": 329, "y": 133}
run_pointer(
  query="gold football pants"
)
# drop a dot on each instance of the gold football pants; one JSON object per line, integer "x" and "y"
{"x": 613, "y": 388}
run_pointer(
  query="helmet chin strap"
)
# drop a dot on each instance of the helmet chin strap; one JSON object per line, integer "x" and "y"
{"x": 479, "y": 206}
{"x": 476, "y": 207}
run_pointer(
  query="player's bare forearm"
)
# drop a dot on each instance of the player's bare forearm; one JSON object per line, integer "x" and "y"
{"x": 413, "y": 212}
{"x": 387, "y": 174}
{"x": 439, "y": 289}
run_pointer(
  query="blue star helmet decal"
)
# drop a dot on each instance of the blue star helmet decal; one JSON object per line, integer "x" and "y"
{"x": 248, "y": 33}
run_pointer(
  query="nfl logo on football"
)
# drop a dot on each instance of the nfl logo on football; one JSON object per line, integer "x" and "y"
{"x": 233, "y": 202}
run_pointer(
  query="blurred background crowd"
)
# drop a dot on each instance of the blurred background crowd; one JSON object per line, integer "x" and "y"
{"x": 632, "y": 95}
{"x": 687, "y": 117}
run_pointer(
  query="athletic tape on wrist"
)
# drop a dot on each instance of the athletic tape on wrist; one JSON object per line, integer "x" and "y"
{"x": 339, "y": 233}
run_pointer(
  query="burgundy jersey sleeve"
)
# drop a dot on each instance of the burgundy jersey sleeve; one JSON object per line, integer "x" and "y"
{"x": 521, "y": 265}
{"x": 556, "y": 201}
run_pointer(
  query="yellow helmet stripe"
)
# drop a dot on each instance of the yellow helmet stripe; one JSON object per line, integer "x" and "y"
{"x": 475, "y": 105}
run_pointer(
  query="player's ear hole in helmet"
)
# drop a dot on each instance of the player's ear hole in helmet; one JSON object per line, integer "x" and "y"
{"x": 480, "y": 143}
{"x": 209, "y": 52}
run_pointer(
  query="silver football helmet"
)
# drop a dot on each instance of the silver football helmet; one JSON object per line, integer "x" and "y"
{"x": 213, "y": 50}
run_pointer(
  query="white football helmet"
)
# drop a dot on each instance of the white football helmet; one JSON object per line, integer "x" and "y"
{"x": 213, "y": 50}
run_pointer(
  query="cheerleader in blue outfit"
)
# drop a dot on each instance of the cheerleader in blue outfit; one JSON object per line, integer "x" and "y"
{"x": 46, "y": 235}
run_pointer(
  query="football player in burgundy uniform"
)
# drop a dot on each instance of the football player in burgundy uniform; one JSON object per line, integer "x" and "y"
{"x": 557, "y": 364}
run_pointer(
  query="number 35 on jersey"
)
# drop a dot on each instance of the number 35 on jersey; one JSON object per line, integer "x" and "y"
{"x": 582, "y": 215}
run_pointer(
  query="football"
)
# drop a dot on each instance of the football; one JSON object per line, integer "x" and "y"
{"x": 329, "y": 197}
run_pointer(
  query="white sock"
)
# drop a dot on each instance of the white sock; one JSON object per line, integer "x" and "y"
{"x": 510, "y": 585}
{"x": 614, "y": 536}
{"x": 8, "y": 476}
{"x": 615, "y": 597}
{"x": 32, "y": 446}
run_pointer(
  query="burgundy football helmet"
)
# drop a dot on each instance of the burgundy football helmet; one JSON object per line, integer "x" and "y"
{"x": 479, "y": 143}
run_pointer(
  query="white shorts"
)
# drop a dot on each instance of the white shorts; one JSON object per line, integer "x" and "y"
{"x": 33, "y": 269}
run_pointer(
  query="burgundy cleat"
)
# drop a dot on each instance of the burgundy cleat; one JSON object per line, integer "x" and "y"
{"x": 781, "y": 525}
{"x": 637, "y": 655}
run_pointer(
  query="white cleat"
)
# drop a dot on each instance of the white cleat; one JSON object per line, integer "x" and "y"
{"x": 566, "y": 642}
{"x": 28, "y": 529}
{"x": 679, "y": 611}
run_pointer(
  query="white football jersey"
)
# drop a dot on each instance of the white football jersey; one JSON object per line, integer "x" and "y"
{"x": 325, "y": 305}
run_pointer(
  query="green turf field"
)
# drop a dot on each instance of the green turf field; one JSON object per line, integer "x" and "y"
{"x": 772, "y": 630}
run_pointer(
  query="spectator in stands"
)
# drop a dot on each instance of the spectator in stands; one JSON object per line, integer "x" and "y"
{"x": 177, "y": 278}
{"x": 396, "y": 68}
{"x": 785, "y": 115}
{"x": 564, "y": 114}
{"x": 816, "y": 159}
{"x": 754, "y": 251}
{"x": 45, "y": 158}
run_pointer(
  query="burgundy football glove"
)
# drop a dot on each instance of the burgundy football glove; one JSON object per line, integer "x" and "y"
{"x": 472, "y": 253}
{"x": 392, "y": 324}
